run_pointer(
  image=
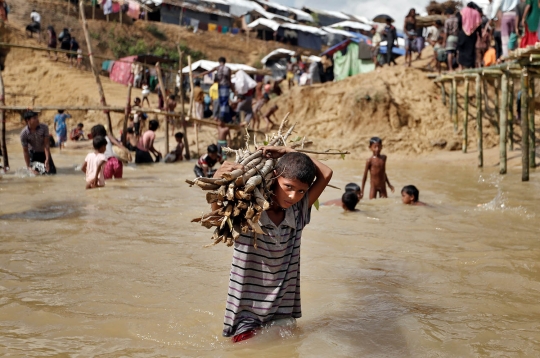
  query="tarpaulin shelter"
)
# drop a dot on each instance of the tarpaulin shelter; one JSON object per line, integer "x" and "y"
{"x": 347, "y": 58}
{"x": 121, "y": 70}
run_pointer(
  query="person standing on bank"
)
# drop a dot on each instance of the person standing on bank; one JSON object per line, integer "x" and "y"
{"x": 223, "y": 74}
{"x": 35, "y": 143}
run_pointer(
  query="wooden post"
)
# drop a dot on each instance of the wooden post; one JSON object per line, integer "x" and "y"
{"x": 524, "y": 124}
{"x": 466, "y": 116}
{"x": 93, "y": 11}
{"x": 454, "y": 104}
{"x": 3, "y": 119}
{"x": 128, "y": 109}
{"x": 107, "y": 17}
{"x": 479, "y": 120}
{"x": 191, "y": 88}
{"x": 120, "y": 16}
{"x": 164, "y": 94}
{"x": 183, "y": 118}
{"x": 496, "y": 105}
{"x": 443, "y": 93}
{"x": 196, "y": 126}
{"x": 502, "y": 123}
{"x": 532, "y": 135}
{"x": 93, "y": 66}
{"x": 180, "y": 17}
{"x": 511, "y": 113}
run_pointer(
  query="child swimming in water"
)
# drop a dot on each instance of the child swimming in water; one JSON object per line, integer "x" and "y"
{"x": 349, "y": 199}
{"x": 376, "y": 166}
{"x": 410, "y": 195}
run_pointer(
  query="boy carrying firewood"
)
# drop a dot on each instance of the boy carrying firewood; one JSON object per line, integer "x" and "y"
{"x": 264, "y": 283}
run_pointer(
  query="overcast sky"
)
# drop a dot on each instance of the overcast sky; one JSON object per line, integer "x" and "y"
{"x": 368, "y": 8}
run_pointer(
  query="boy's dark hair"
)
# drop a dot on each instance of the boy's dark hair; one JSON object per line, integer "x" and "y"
{"x": 296, "y": 166}
{"x": 197, "y": 83}
{"x": 60, "y": 111}
{"x": 99, "y": 142}
{"x": 374, "y": 140}
{"x": 98, "y": 131}
{"x": 172, "y": 96}
{"x": 80, "y": 125}
{"x": 349, "y": 199}
{"x": 438, "y": 22}
{"x": 212, "y": 148}
{"x": 449, "y": 11}
{"x": 179, "y": 135}
{"x": 131, "y": 130}
{"x": 29, "y": 114}
{"x": 412, "y": 191}
{"x": 153, "y": 125}
{"x": 222, "y": 60}
{"x": 352, "y": 187}
{"x": 137, "y": 99}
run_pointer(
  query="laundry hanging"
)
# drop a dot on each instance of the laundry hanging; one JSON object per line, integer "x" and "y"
{"x": 134, "y": 10}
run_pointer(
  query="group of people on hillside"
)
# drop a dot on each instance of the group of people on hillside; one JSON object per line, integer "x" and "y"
{"x": 472, "y": 37}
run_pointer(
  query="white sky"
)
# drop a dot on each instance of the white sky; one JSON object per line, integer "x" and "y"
{"x": 398, "y": 9}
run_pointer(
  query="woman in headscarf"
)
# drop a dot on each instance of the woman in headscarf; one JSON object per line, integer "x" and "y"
{"x": 469, "y": 21}
{"x": 530, "y": 18}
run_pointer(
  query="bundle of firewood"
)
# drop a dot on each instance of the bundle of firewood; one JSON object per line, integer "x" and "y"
{"x": 243, "y": 194}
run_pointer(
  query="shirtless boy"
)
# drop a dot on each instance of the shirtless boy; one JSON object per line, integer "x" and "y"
{"x": 224, "y": 137}
{"x": 376, "y": 165}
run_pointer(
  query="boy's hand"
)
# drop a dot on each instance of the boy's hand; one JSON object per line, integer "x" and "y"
{"x": 391, "y": 188}
{"x": 275, "y": 152}
{"x": 227, "y": 167}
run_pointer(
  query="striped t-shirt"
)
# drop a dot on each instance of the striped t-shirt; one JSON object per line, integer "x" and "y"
{"x": 36, "y": 140}
{"x": 264, "y": 284}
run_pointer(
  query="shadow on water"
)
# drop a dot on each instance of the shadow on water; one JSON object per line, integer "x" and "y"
{"x": 57, "y": 210}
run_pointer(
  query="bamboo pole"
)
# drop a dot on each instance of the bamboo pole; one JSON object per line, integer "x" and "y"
{"x": 466, "y": 117}
{"x": 64, "y": 107}
{"x": 93, "y": 11}
{"x": 443, "y": 93}
{"x": 128, "y": 108}
{"x": 532, "y": 135}
{"x": 191, "y": 88}
{"x": 120, "y": 16}
{"x": 511, "y": 114}
{"x": 3, "y": 119}
{"x": 451, "y": 107}
{"x": 496, "y": 104}
{"x": 455, "y": 106}
{"x": 479, "y": 120}
{"x": 503, "y": 123}
{"x": 182, "y": 109}
{"x": 524, "y": 124}
{"x": 164, "y": 94}
{"x": 92, "y": 64}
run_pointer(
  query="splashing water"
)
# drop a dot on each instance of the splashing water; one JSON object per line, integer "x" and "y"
{"x": 24, "y": 173}
{"x": 500, "y": 201}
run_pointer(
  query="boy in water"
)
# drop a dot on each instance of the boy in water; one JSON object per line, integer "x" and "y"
{"x": 95, "y": 163}
{"x": 60, "y": 127}
{"x": 410, "y": 196}
{"x": 77, "y": 133}
{"x": 349, "y": 199}
{"x": 376, "y": 165}
{"x": 224, "y": 136}
{"x": 206, "y": 163}
{"x": 264, "y": 284}
{"x": 177, "y": 154}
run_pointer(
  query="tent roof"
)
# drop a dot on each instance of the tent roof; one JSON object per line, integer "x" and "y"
{"x": 241, "y": 7}
{"x": 279, "y": 53}
{"x": 196, "y": 8}
{"x": 206, "y": 65}
{"x": 338, "y": 32}
{"x": 352, "y": 25}
{"x": 222, "y": 2}
{"x": 304, "y": 28}
{"x": 363, "y": 19}
{"x": 336, "y": 14}
{"x": 272, "y": 16}
{"x": 264, "y": 23}
{"x": 300, "y": 15}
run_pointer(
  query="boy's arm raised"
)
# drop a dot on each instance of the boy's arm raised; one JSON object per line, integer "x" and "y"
{"x": 324, "y": 174}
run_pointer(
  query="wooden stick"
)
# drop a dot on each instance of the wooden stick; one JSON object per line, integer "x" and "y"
{"x": 3, "y": 119}
{"x": 479, "y": 120}
{"x": 524, "y": 124}
{"x": 503, "y": 123}
{"x": 329, "y": 152}
{"x": 443, "y": 93}
{"x": 191, "y": 89}
{"x": 496, "y": 85}
{"x": 466, "y": 116}
{"x": 532, "y": 135}
{"x": 196, "y": 126}
{"x": 93, "y": 66}
{"x": 67, "y": 108}
{"x": 455, "y": 106}
{"x": 511, "y": 113}
{"x": 163, "y": 93}
{"x": 93, "y": 11}
{"x": 183, "y": 113}
{"x": 127, "y": 112}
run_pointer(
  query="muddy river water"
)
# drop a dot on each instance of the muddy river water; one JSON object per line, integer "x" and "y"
{"x": 121, "y": 271}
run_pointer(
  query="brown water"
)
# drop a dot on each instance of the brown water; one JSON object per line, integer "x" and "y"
{"x": 121, "y": 271}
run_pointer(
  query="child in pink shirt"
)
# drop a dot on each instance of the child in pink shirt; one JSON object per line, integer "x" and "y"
{"x": 94, "y": 164}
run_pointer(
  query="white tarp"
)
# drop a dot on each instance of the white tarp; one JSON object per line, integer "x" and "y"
{"x": 300, "y": 15}
{"x": 352, "y": 25}
{"x": 400, "y": 41}
{"x": 271, "y": 16}
{"x": 209, "y": 65}
{"x": 279, "y": 51}
{"x": 363, "y": 20}
{"x": 338, "y": 32}
{"x": 298, "y": 27}
{"x": 242, "y": 7}
{"x": 243, "y": 83}
{"x": 263, "y": 24}
{"x": 337, "y": 14}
